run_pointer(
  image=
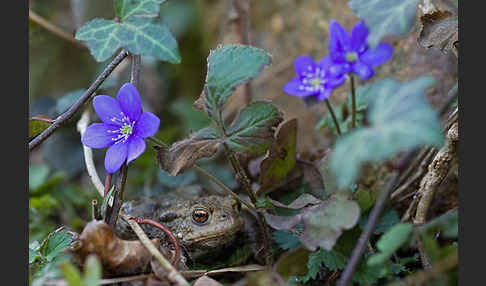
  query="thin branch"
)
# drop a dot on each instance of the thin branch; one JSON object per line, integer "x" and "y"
{"x": 246, "y": 183}
{"x": 167, "y": 231}
{"x": 82, "y": 125}
{"x": 54, "y": 29}
{"x": 66, "y": 116}
{"x": 362, "y": 243}
{"x": 172, "y": 275}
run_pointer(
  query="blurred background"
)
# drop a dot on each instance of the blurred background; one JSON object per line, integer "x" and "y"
{"x": 59, "y": 71}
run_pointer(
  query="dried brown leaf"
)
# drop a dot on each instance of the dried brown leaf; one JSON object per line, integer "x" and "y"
{"x": 118, "y": 257}
{"x": 439, "y": 30}
{"x": 282, "y": 222}
{"x": 280, "y": 159}
{"x": 183, "y": 154}
{"x": 206, "y": 281}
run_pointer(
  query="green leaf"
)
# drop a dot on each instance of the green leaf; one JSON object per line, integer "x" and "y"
{"x": 33, "y": 255}
{"x": 126, "y": 8}
{"x": 253, "y": 129}
{"x": 71, "y": 274}
{"x": 106, "y": 199}
{"x": 448, "y": 223}
{"x": 389, "y": 242}
{"x": 37, "y": 176}
{"x": 92, "y": 271}
{"x": 400, "y": 119}
{"x": 228, "y": 67}
{"x": 55, "y": 243}
{"x": 141, "y": 36}
{"x": 37, "y": 125}
{"x": 325, "y": 223}
{"x": 387, "y": 219}
{"x": 385, "y": 17}
{"x": 286, "y": 239}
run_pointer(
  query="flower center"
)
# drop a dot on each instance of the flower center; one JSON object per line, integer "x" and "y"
{"x": 351, "y": 56}
{"x": 124, "y": 132}
{"x": 315, "y": 82}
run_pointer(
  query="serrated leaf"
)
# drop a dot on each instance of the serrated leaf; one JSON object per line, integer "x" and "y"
{"x": 228, "y": 67}
{"x": 55, "y": 243}
{"x": 127, "y": 8}
{"x": 400, "y": 119}
{"x": 37, "y": 125}
{"x": 389, "y": 242}
{"x": 385, "y": 17}
{"x": 139, "y": 35}
{"x": 280, "y": 158}
{"x": 92, "y": 271}
{"x": 324, "y": 223}
{"x": 33, "y": 255}
{"x": 183, "y": 154}
{"x": 252, "y": 131}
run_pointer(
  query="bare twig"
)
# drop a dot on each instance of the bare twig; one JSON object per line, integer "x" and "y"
{"x": 438, "y": 169}
{"x": 66, "y": 116}
{"x": 82, "y": 125}
{"x": 373, "y": 219}
{"x": 172, "y": 274}
{"x": 54, "y": 29}
{"x": 167, "y": 231}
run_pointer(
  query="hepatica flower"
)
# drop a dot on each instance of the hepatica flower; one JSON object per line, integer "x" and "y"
{"x": 352, "y": 53}
{"x": 123, "y": 129}
{"x": 314, "y": 79}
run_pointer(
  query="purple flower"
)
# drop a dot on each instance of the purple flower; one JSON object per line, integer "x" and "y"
{"x": 352, "y": 53}
{"x": 314, "y": 79}
{"x": 123, "y": 129}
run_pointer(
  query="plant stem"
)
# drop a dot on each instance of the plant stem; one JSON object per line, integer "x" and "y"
{"x": 223, "y": 186}
{"x": 66, "y": 116}
{"x": 54, "y": 29}
{"x": 246, "y": 183}
{"x": 353, "y": 102}
{"x": 157, "y": 141}
{"x": 331, "y": 110}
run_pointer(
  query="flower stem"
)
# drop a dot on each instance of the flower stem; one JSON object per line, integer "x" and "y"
{"x": 331, "y": 110}
{"x": 246, "y": 183}
{"x": 353, "y": 102}
{"x": 157, "y": 141}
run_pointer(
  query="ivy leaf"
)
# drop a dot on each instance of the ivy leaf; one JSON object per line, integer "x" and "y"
{"x": 228, "y": 67}
{"x": 252, "y": 131}
{"x": 385, "y": 17}
{"x": 280, "y": 158}
{"x": 324, "y": 223}
{"x": 141, "y": 36}
{"x": 65, "y": 102}
{"x": 55, "y": 243}
{"x": 126, "y": 8}
{"x": 183, "y": 154}
{"x": 400, "y": 119}
{"x": 390, "y": 242}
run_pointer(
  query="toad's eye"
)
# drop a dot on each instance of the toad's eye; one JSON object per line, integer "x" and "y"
{"x": 200, "y": 216}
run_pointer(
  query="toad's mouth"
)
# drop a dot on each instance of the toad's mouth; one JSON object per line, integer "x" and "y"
{"x": 213, "y": 239}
